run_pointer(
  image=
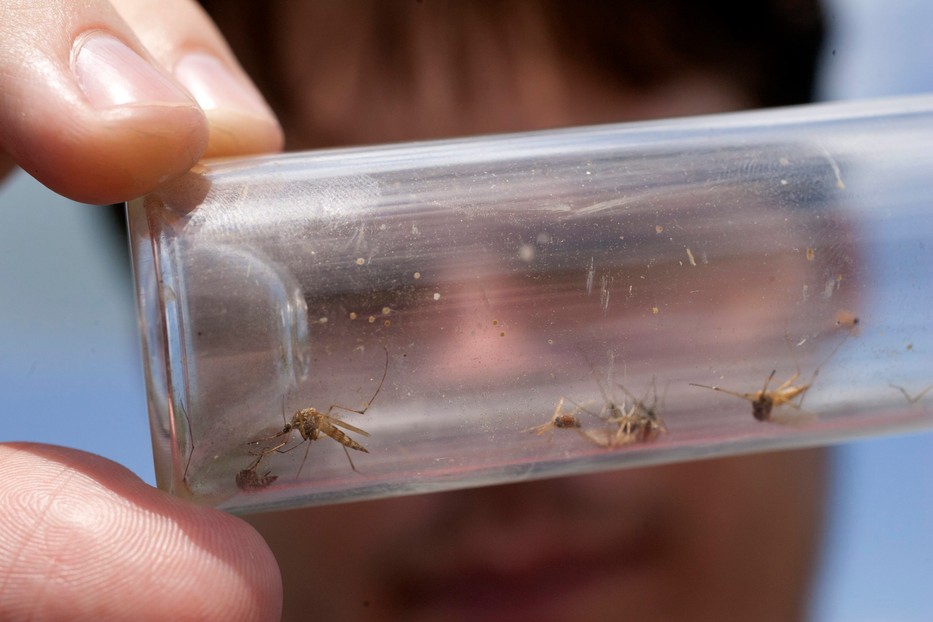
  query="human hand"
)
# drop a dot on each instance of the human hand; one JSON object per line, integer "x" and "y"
{"x": 96, "y": 102}
{"x": 101, "y": 101}
{"x": 82, "y": 538}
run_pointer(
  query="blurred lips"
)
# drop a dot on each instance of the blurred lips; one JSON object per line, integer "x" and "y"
{"x": 531, "y": 571}
{"x": 477, "y": 592}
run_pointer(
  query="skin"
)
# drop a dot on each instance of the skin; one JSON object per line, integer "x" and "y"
{"x": 100, "y": 153}
{"x": 82, "y": 538}
{"x": 710, "y": 540}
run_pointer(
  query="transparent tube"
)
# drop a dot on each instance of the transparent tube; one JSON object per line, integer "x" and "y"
{"x": 512, "y": 307}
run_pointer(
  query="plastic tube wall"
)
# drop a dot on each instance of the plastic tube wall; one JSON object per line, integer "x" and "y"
{"x": 349, "y": 324}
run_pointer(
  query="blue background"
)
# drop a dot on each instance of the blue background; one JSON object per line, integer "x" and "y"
{"x": 70, "y": 372}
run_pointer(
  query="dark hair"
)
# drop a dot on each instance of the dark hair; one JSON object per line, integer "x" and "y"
{"x": 768, "y": 49}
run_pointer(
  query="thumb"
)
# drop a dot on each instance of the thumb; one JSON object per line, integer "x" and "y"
{"x": 82, "y": 538}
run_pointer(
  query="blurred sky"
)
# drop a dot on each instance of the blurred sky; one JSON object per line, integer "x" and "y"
{"x": 70, "y": 371}
{"x": 879, "y": 551}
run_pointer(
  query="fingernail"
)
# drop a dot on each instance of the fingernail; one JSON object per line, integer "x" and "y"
{"x": 214, "y": 86}
{"x": 111, "y": 74}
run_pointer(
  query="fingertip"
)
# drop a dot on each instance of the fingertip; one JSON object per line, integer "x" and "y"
{"x": 116, "y": 156}
{"x": 240, "y": 120}
{"x": 139, "y": 127}
{"x": 91, "y": 117}
{"x": 235, "y": 133}
{"x": 105, "y": 109}
{"x": 92, "y": 540}
{"x": 187, "y": 42}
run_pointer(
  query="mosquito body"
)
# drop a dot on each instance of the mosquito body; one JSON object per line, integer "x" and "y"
{"x": 560, "y": 420}
{"x": 765, "y": 401}
{"x": 641, "y": 423}
{"x": 249, "y": 479}
{"x": 311, "y": 424}
{"x": 625, "y": 425}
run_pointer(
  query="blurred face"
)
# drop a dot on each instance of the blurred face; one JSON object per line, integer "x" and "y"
{"x": 728, "y": 539}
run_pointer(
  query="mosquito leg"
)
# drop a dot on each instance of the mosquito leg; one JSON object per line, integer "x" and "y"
{"x": 303, "y": 460}
{"x": 363, "y": 410}
{"x": 764, "y": 389}
{"x": 916, "y": 398}
{"x": 749, "y": 397}
{"x": 349, "y": 459}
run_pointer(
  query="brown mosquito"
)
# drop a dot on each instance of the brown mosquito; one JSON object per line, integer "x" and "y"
{"x": 786, "y": 394}
{"x": 560, "y": 420}
{"x": 641, "y": 423}
{"x": 249, "y": 479}
{"x": 311, "y": 424}
{"x": 638, "y": 423}
{"x": 847, "y": 320}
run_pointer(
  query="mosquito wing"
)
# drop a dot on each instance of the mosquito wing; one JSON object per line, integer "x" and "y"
{"x": 347, "y": 426}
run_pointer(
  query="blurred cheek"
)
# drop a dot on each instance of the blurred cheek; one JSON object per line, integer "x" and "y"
{"x": 751, "y": 527}
{"x": 329, "y": 550}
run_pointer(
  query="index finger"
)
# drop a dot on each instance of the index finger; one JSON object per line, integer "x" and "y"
{"x": 90, "y": 112}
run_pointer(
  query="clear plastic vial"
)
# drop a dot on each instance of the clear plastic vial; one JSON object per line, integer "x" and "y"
{"x": 511, "y": 307}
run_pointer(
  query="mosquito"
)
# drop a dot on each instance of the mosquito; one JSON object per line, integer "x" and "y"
{"x": 641, "y": 423}
{"x": 311, "y": 424}
{"x": 912, "y": 399}
{"x": 786, "y": 394}
{"x": 560, "y": 420}
{"x": 847, "y": 320}
{"x": 637, "y": 423}
{"x": 249, "y": 479}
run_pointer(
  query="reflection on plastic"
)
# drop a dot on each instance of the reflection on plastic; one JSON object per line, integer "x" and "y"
{"x": 573, "y": 284}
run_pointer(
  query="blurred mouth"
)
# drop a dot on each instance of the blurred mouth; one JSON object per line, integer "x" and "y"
{"x": 550, "y": 582}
